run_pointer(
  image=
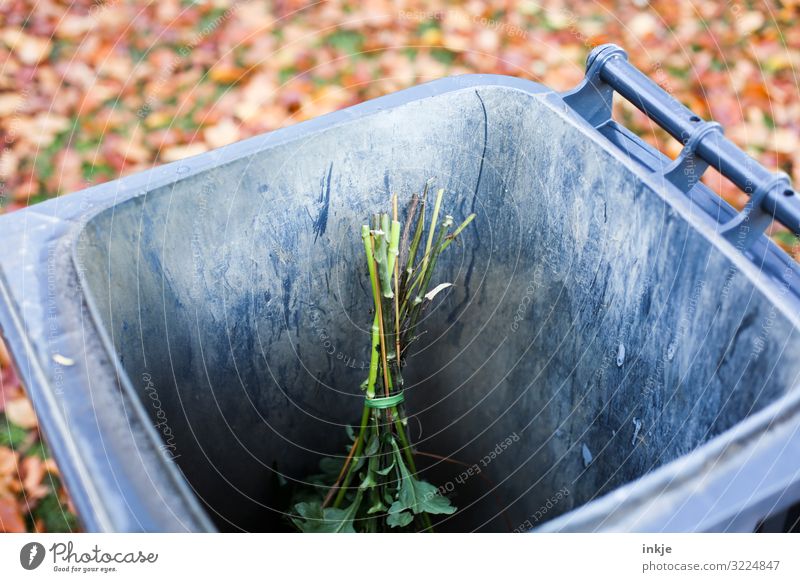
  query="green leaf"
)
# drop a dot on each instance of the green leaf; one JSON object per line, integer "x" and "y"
{"x": 11, "y": 435}
{"x": 346, "y": 41}
{"x": 55, "y": 515}
{"x": 39, "y": 450}
{"x": 338, "y": 520}
{"x": 368, "y": 481}
{"x": 314, "y": 519}
{"x": 309, "y": 509}
{"x": 399, "y": 518}
{"x": 372, "y": 446}
{"x": 416, "y": 495}
{"x": 444, "y": 56}
{"x": 377, "y": 507}
{"x": 436, "y": 503}
{"x": 786, "y": 238}
{"x": 331, "y": 466}
{"x": 358, "y": 463}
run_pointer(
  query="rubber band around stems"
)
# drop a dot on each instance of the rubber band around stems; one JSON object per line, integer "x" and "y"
{"x": 385, "y": 402}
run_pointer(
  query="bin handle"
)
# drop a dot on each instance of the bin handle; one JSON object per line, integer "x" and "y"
{"x": 771, "y": 194}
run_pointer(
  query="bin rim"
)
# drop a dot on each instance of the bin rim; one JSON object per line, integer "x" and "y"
{"x": 712, "y": 471}
{"x": 62, "y": 220}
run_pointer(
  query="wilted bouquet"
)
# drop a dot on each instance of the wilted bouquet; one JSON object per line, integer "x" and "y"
{"x": 376, "y": 487}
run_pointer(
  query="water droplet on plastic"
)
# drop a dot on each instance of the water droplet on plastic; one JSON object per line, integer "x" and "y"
{"x": 183, "y": 169}
{"x": 620, "y": 355}
{"x": 671, "y": 351}
{"x": 637, "y": 426}
{"x": 587, "y": 455}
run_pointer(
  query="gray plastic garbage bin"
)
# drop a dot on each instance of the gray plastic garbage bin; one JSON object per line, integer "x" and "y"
{"x": 620, "y": 350}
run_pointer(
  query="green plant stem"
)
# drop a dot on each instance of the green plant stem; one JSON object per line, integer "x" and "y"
{"x": 423, "y": 277}
{"x": 409, "y": 455}
{"x": 387, "y": 381}
{"x": 394, "y": 246}
{"x": 373, "y": 358}
{"x": 398, "y": 297}
{"x": 436, "y": 206}
{"x": 418, "y": 232}
{"x": 349, "y": 462}
{"x": 376, "y": 297}
{"x": 404, "y": 246}
{"x": 416, "y": 306}
{"x": 401, "y": 434}
{"x": 457, "y": 231}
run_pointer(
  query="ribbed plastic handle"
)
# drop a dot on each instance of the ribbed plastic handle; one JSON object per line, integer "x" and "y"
{"x": 771, "y": 194}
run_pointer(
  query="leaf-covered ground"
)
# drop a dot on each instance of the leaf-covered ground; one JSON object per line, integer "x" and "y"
{"x": 91, "y": 90}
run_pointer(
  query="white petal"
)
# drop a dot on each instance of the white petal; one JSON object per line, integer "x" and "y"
{"x": 435, "y": 291}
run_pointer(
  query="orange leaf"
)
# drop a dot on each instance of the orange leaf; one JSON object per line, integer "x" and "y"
{"x": 5, "y": 359}
{"x": 223, "y": 73}
{"x": 33, "y": 471}
{"x": 9, "y": 478}
{"x": 10, "y": 518}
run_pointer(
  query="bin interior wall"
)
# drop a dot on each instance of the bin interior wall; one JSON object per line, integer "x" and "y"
{"x": 237, "y": 301}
